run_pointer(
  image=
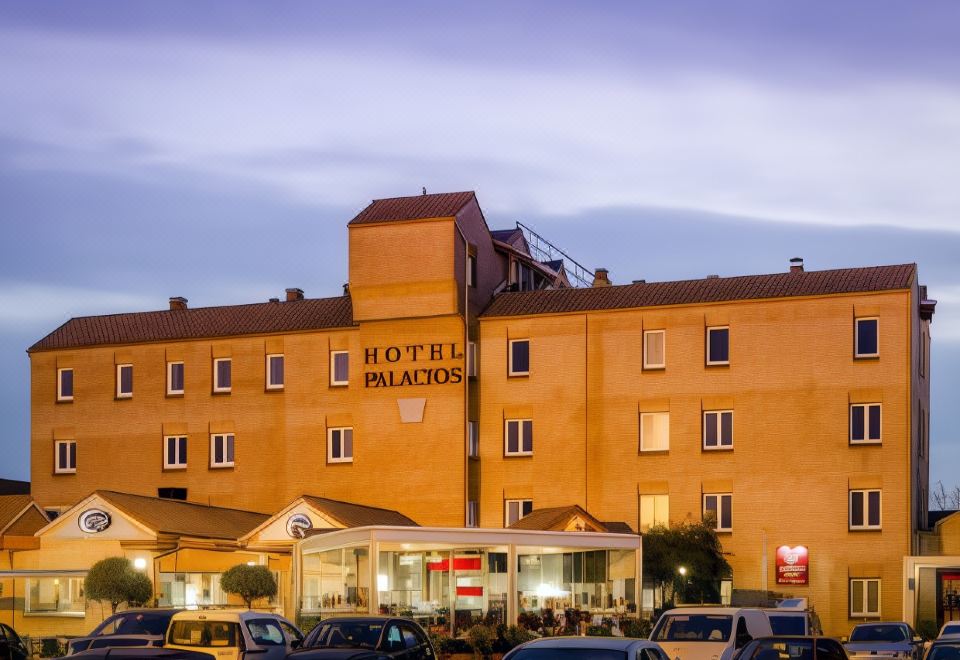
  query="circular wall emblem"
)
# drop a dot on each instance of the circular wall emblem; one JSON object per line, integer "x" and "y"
{"x": 94, "y": 521}
{"x": 298, "y": 524}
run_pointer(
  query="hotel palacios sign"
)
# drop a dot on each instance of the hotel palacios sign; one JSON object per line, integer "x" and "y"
{"x": 413, "y": 364}
{"x": 793, "y": 565}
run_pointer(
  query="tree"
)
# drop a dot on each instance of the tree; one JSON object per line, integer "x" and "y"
{"x": 693, "y": 546}
{"x": 249, "y": 582}
{"x": 115, "y": 581}
{"x": 943, "y": 499}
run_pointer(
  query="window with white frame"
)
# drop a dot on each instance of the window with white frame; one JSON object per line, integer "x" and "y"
{"x": 124, "y": 381}
{"x": 654, "y": 349}
{"x": 175, "y": 452}
{"x": 864, "y": 423}
{"x": 472, "y": 359}
{"x": 54, "y": 596}
{"x": 718, "y": 345}
{"x": 514, "y": 510}
{"x": 473, "y": 439}
{"x": 222, "y": 374}
{"x": 867, "y": 337}
{"x": 718, "y": 511}
{"x": 174, "y": 378}
{"x": 275, "y": 371}
{"x": 654, "y": 431}
{"x": 221, "y": 450}
{"x": 65, "y": 456}
{"x": 518, "y": 437}
{"x": 865, "y": 509}
{"x": 864, "y": 597}
{"x": 340, "y": 445}
{"x": 717, "y": 429}
{"x": 473, "y": 514}
{"x": 654, "y": 511}
{"x": 64, "y": 384}
{"x": 472, "y": 271}
{"x": 339, "y": 368}
{"x": 519, "y": 357}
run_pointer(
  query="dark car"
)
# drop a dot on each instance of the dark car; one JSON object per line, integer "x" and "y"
{"x": 143, "y": 653}
{"x": 11, "y": 646}
{"x": 944, "y": 649}
{"x": 792, "y": 647}
{"x": 128, "y": 628}
{"x": 390, "y": 637}
{"x": 587, "y": 648}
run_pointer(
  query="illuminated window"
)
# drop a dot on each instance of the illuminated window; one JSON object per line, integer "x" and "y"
{"x": 654, "y": 511}
{"x": 654, "y": 431}
{"x": 52, "y": 596}
{"x": 654, "y": 349}
{"x": 865, "y": 597}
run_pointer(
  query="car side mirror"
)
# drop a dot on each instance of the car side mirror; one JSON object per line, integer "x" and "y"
{"x": 256, "y": 649}
{"x": 917, "y": 639}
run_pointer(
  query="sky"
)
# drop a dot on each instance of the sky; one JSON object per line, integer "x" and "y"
{"x": 217, "y": 150}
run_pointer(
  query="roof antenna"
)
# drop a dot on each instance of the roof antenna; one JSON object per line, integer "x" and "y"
{"x": 424, "y": 190}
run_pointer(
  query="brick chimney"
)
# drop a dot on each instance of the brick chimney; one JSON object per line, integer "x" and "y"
{"x": 796, "y": 265}
{"x": 601, "y": 277}
{"x": 178, "y": 302}
{"x": 294, "y": 294}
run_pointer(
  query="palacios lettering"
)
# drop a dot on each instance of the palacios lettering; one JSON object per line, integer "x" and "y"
{"x": 426, "y": 375}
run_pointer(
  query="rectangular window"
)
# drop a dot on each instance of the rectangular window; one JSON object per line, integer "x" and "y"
{"x": 519, "y": 357}
{"x": 473, "y": 511}
{"x": 473, "y": 439}
{"x": 867, "y": 338}
{"x": 275, "y": 371}
{"x": 65, "y": 456}
{"x": 718, "y": 510}
{"x": 654, "y": 349}
{"x": 124, "y": 381}
{"x": 472, "y": 359}
{"x": 864, "y": 423}
{"x": 865, "y": 509}
{"x": 518, "y": 437}
{"x": 175, "y": 452}
{"x": 654, "y": 511}
{"x": 865, "y": 597}
{"x": 174, "y": 378}
{"x": 654, "y": 431}
{"x": 472, "y": 270}
{"x": 339, "y": 368}
{"x": 340, "y": 445}
{"x": 718, "y": 429}
{"x": 64, "y": 384}
{"x": 221, "y": 450}
{"x": 222, "y": 374}
{"x": 52, "y": 596}
{"x": 514, "y": 510}
{"x": 718, "y": 345}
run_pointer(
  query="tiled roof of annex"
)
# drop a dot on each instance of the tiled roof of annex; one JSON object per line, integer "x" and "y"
{"x": 439, "y": 205}
{"x": 358, "y": 515}
{"x": 711, "y": 289}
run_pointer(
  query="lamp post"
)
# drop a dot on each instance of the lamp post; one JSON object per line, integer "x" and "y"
{"x": 683, "y": 576}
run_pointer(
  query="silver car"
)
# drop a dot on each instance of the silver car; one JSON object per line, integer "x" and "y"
{"x": 884, "y": 641}
{"x": 587, "y": 648}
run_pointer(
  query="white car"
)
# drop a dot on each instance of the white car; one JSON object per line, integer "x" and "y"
{"x": 950, "y": 630}
{"x": 232, "y": 635}
{"x": 708, "y": 633}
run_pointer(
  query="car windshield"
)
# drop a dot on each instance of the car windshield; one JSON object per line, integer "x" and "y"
{"x": 951, "y": 629}
{"x": 878, "y": 633}
{"x": 350, "y": 634}
{"x": 541, "y": 653}
{"x": 135, "y": 623}
{"x": 693, "y": 628}
{"x": 944, "y": 652}
{"x": 203, "y": 633}
{"x": 787, "y": 624}
{"x": 772, "y": 649}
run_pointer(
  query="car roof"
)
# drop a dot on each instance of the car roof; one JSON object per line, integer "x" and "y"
{"x": 222, "y": 615}
{"x": 613, "y": 643}
{"x": 711, "y": 610}
{"x": 946, "y": 641}
{"x": 880, "y": 623}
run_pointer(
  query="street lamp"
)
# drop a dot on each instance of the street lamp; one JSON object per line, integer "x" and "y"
{"x": 683, "y": 575}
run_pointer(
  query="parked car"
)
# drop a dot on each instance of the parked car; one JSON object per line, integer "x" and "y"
{"x": 709, "y": 633}
{"x": 392, "y": 637}
{"x": 233, "y": 635}
{"x": 792, "y": 647}
{"x": 128, "y": 628}
{"x": 587, "y": 648}
{"x": 11, "y": 646}
{"x": 142, "y": 653}
{"x": 944, "y": 649}
{"x": 886, "y": 640}
{"x": 950, "y": 629}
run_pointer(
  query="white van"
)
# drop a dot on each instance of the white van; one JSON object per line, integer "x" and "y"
{"x": 233, "y": 635}
{"x": 708, "y": 633}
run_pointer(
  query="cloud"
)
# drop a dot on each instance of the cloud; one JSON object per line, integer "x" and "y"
{"x": 49, "y": 305}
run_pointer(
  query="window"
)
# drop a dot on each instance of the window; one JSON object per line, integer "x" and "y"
{"x": 124, "y": 381}
{"x": 340, "y": 445}
{"x": 514, "y": 510}
{"x": 718, "y": 345}
{"x": 654, "y": 511}
{"x": 222, "y": 374}
{"x": 339, "y": 368}
{"x": 867, "y": 338}
{"x": 472, "y": 359}
{"x": 64, "y": 384}
{"x": 718, "y": 509}
{"x": 864, "y": 423}
{"x": 221, "y": 450}
{"x": 654, "y": 349}
{"x": 175, "y": 452}
{"x": 65, "y": 459}
{"x": 519, "y": 357}
{"x": 865, "y": 509}
{"x": 49, "y": 595}
{"x": 473, "y": 514}
{"x": 718, "y": 429}
{"x": 275, "y": 371}
{"x": 518, "y": 437}
{"x": 172, "y": 493}
{"x": 654, "y": 431}
{"x": 174, "y": 378}
{"x": 473, "y": 439}
{"x": 472, "y": 271}
{"x": 864, "y": 597}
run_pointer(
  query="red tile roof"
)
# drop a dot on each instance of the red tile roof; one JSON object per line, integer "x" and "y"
{"x": 440, "y": 205}
{"x": 203, "y": 322}
{"x": 747, "y": 287}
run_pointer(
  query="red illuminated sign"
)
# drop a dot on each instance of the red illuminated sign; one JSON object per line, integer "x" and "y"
{"x": 793, "y": 565}
{"x": 459, "y": 564}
